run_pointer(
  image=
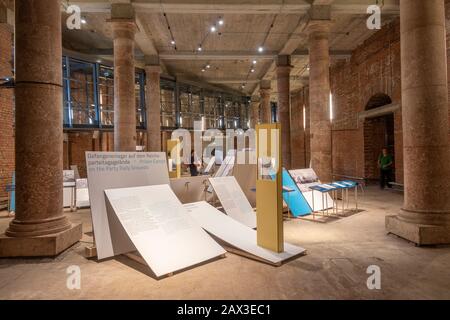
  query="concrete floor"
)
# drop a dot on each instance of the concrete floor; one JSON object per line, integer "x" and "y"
{"x": 334, "y": 268}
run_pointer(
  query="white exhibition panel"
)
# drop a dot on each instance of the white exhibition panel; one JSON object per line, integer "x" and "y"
{"x": 233, "y": 200}
{"x": 68, "y": 188}
{"x": 158, "y": 225}
{"x": 306, "y": 178}
{"x": 210, "y": 165}
{"x": 109, "y": 170}
{"x": 82, "y": 192}
{"x": 236, "y": 234}
{"x": 190, "y": 189}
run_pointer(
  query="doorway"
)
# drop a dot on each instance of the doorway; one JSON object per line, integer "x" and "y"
{"x": 378, "y": 134}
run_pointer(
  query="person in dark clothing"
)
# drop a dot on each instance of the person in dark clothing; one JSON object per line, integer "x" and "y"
{"x": 385, "y": 163}
{"x": 193, "y": 166}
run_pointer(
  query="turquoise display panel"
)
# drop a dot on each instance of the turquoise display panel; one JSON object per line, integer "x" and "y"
{"x": 294, "y": 199}
{"x": 12, "y": 200}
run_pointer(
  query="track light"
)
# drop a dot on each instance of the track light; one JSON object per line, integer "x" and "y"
{"x": 83, "y": 21}
{"x": 199, "y": 48}
{"x": 213, "y": 29}
{"x": 208, "y": 66}
{"x": 220, "y": 22}
{"x": 203, "y": 70}
{"x": 172, "y": 42}
{"x": 260, "y": 49}
{"x": 254, "y": 61}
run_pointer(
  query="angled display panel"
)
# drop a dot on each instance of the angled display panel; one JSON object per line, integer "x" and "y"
{"x": 108, "y": 170}
{"x": 158, "y": 225}
{"x": 236, "y": 234}
{"x": 233, "y": 200}
{"x": 298, "y": 205}
{"x": 306, "y": 178}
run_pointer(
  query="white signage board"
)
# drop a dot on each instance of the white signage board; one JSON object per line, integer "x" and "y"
{"x": 210, "y": 165}
{"x": 109, "y": 170}
{"x": 236, "y": 234}
{"x": 227, "y": 164}
{"x": 82, "y": 192}
{"x": 306, "y": 178}
{"x": 233, "y": 200}
{"x": 68, "y": 188}
{"x": 160, "y": 228}
{"x": 190, "y": 189}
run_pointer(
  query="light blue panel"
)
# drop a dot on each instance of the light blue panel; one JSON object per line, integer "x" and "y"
{"x": 12, "y": 203}
{"x": 295, "y": 200}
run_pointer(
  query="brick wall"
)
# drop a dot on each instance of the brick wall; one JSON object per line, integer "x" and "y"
{"x": 7, "y": 158}
{"x": 373, "y": 69}
{"x": 300, "y": 142}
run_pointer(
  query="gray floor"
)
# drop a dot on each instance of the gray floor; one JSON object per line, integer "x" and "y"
{"x": 334, "y": 268}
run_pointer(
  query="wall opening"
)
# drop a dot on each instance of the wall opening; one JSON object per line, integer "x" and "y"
{"x": 378, "y": 134}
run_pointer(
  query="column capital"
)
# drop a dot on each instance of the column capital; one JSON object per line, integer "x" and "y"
{"x": 122, "y": 11}
{"x": 152, "y": 69}
{"x": 318, "y": 26}
{"x": 123, "y": 28}
{"x": 284, "y": 61}
{"x": 265, "y": 85}
{"x": 255, "y": 99}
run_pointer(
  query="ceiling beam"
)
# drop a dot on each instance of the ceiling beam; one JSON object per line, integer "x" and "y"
{"x": 253, "y": 81}
{"x": 240, "y": 55}
{"x": 237, "y": 6}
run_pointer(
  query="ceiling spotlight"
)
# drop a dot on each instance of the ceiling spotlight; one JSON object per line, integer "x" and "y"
{"x": 208, "y": 66}
{"x": 243, "y": 86}
{"x": 99, "y": 61}
{"x": 203, "y": 70}
{"x": 172, "y": 42}
{"x": 199, "y": 48}
{"x": 254, "y": 61}
{"x": 260, "y": 49}
{"x": 213, "y": 29}
{"x": 220, "y": 22}
{"x": 253, "y": 70}
{"x": 83, "y": 21}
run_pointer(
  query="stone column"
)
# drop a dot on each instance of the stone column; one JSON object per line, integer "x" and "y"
{"x": 425, "y": 217}
{"x": 283, "y": 74}
{"x": 153, "y": 105}
{"x": 254, "y": 120}
{"x": 124, "y": 30}
{"x": 265, "y": 107}
{"x": 40, "y": 227}
{"x": 319, "y": 98}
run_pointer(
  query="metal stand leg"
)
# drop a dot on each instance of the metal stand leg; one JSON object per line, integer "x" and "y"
{"x": 313, "y": 208}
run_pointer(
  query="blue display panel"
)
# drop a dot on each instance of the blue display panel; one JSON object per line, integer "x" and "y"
{"x": 293, "y": 197}
{"x": 11, "y": 188}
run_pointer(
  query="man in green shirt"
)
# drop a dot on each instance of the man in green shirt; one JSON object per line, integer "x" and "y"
{"x": 385, "y": 163}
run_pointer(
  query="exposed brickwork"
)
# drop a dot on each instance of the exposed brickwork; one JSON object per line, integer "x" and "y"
{"x": 374, "y": 68}
{"x": 299, "y": 134}
{"x": 6, "y": 111}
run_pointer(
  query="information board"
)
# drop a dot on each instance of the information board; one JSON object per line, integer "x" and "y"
{"x": 236, "y": 234}
{"x": 233, "y": 200}
{"x": 108, "y": 170}
{"x": 160, "y": 228}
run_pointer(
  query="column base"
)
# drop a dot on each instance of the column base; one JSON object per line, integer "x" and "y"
{"x": 41, "y": 246}
{"x": 420, "y": 234}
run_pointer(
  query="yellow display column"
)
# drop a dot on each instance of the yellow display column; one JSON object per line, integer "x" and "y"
{"x": 269, "y": 202}
{"x": 174, "y": 158}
